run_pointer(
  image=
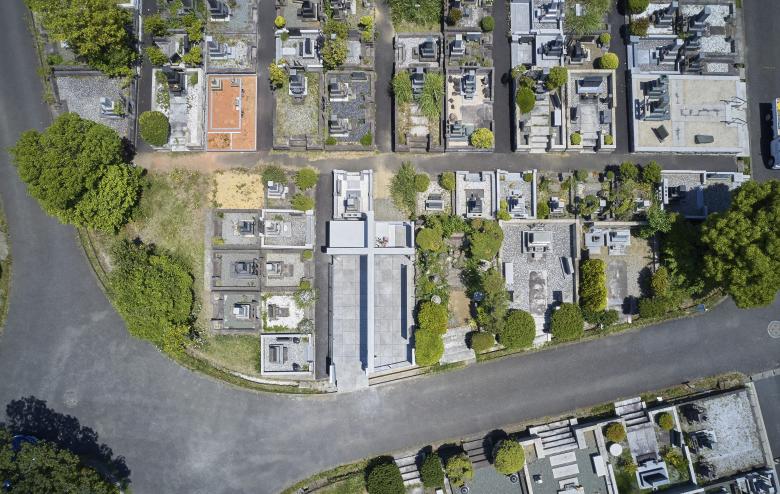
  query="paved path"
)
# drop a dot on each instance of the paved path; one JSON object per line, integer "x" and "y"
{"x": 182, "y": 432}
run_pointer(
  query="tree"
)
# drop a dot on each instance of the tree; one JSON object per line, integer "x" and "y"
{"x": 302, "y": 202}
{"x": 556, "y": 78}
{"x": 421, "y": 182}
{"x": 428, "y": 347}
{"x": 44, "y": 467}
{"x": 402, "y": 87}
{"x": 481, "y": 341}
{"x": 431, "y": 97}
{"x": 306, "y": 178}
{"x": 454, "y": 17}
{"x": 509, "y": 457}
{"x": 615, "y": 432}
{"x": 334, "y": 53}
{"x": 447, "y": 181}
{"x": 593, "y": 285}
{"x": 96, "y": 30}
{"x": 482, "y": 138}
{"x": 433, "y": 317}
{"x": 665, "y": 421}
{"x": 459, "y": 469}
{"x": 567, "y": 323}
{"x": 155, "y": 25}
{"x": 639, "y": 27}
{"x": 156, "y": 56}
{"x": 194, "y": 57}
{"x": 487, "y": 23}
{"x": 384, "y": 478}
{"x": 636, "y": 6}
{"x": 485, "y": 239}
{"x": 76, "y": 167}
{"x": 429, "y": 239}
{"x": 431, "y": 473}
{"x": 154, "y": 127}
{"x": 651, "y": 173}
{"x": 628, "y": 171}
{"x": 525, "y": 99}
{"x": 152, "y": 290}
{"x": 280, "y": 22}
{"x": 403, "y": 188}
{"x": 608, "y": 61}
{"x": 519, "y": 330}
{"x": 276, "y": 75}
{"x": 743, "y": 245}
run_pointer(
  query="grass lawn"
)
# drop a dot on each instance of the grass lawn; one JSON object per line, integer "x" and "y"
{"x": 236, "y": 352}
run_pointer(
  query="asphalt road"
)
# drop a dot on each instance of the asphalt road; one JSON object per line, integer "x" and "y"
{"x": 763, "y": 79}
{"x": 182, "y": 432}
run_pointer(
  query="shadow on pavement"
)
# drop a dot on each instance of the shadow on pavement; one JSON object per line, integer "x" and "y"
{"x": 31, "y": 416}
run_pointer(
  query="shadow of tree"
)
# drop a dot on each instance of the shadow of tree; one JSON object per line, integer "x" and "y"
{"x": 31, "y": 416}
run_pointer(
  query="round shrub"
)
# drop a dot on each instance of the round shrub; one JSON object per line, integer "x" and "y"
{"x": 459, "y": 469}
{"x": 525, "y": 99}
{"x": 481, "y": 341}
{"x": 605, "y": 39}
{"x": 428, "y": 347}
{"x": 433, "y": 317}
{"x": 385, "y": 478}
{"x": 519, "y": 330}
{"x": 636, "y": 6}
{"x": 567, "y": 323}
{"x": 509, "y": 457}
{"x": 615, "y": 432}
{"x": 482, "y": 138}
{"x": 665, "y": 421}
{"x": 576, "y": 139}
{"x": 447, "y": 181}
{"x": 487, "y": 23}
{"x": 280, "y": 22}
{"x": 608, "y": 61}
{"x": 155, "y": 128}
{"x": 306, "y": 178}
{"x": 421, "y": 182}
{"x": 431, "y": 473}
{"x": 429, "y": 239}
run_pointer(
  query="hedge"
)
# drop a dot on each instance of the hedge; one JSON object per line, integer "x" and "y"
{"x": 155, "y": 128}
{"x": 428, "y": 347}
{"x": 509, "y": 457}
{"x": 567, "y": 323}
{"x": 593, "y": 285}
{"x": 519, "y": 330}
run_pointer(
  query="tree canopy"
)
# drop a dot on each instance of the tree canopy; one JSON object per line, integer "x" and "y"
{"x": 743, "y": 245}
{"x": 77, "y": 172}
{"x": 96, "y": 30}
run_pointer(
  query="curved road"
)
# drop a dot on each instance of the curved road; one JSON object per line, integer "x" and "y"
{"x": 181, "y": 432}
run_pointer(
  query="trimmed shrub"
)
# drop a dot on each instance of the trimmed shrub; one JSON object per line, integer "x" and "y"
{"x": 525, "y": 99}
{"x": 431, "y": 472}
{"x": 280, "y": 22}
{"x": 447, "y": 181}
{"x": 509, "y": 457}
{"x": 421, "y": 182}
{"x": 154, "y": 127}
{"x": 429, "y": 239}
{"x": 576, "y": 139}
{"x": 482, "y": 138}
{"x": 615, "y": 432}
{"x": 433, "y": 317}
{"x": 428, "y": 347}
{"x": 636, "y": 6}
{"x": 593, "y": 285}
{"x": 481, "y": 341}
{"x": 556, "y": 78}
{"x": 306, "y": 178}
{"x": 459, "y": 469}
{"x": 302, "y": 202}
{"x": 384, "y": 478}
{"x": 567, "y": 323}
{"x": 628, "y": 171}
{"x": 519, "y": 330}
{"x": 653, "y": 307}
{"x": 639, "y": 27}
{"x": 487, "y": 23}
{"x": 608, "y": 61}
{"x": 605, "y": 39}
{"x": 665, "y": 421}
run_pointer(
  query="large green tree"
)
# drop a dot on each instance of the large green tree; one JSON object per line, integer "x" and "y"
{"x": 743, "y": 245}
{"x": 43, "y": 467}
{"x": 76, "y": 170}
{"x": 96, "y": 30}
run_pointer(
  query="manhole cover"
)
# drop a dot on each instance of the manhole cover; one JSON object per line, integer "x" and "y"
{"x": 774, "y": 329}
{"x": 70, "y": 398}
